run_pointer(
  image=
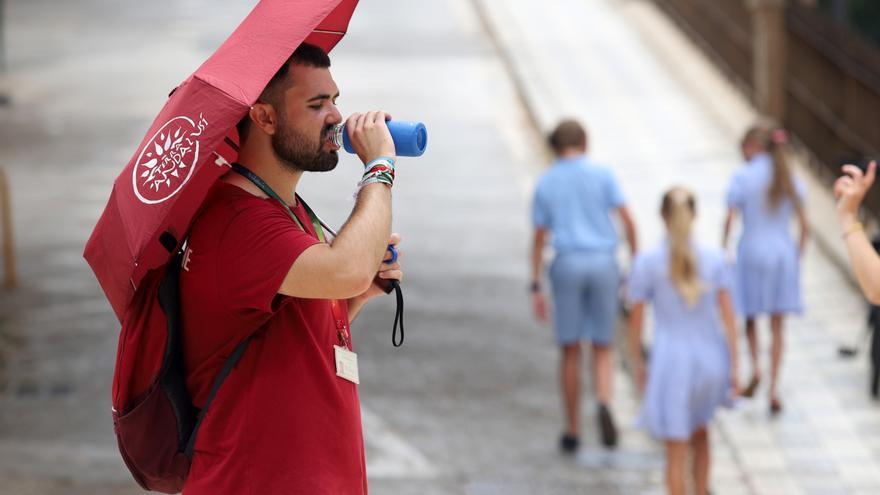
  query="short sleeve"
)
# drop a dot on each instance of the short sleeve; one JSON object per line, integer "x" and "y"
{"x": 640, "y": 287}
{"x": 613, "y": 192}
{"x": 257, "y": 250}
{"x": 735, "y": 193}
{"x": 541, "y": 212}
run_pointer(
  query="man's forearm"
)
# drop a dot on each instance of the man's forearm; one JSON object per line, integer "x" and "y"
{"x": 364, "y": 237}
{"x": 355, "y": 305}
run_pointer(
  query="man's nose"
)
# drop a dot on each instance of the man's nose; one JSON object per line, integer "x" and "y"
{"x": 335, "y": 117}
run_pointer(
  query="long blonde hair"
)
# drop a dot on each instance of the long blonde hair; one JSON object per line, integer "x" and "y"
{"x": 775, "y": 142}
{"x": 678, "y": 210}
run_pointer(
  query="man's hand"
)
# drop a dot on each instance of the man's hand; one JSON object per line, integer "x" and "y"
{"x": 386, "y": 272}
{"x": 850, "y": 190}
{"x": 369, "y": 135}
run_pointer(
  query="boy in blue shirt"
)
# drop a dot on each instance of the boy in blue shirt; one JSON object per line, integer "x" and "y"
{"x": 574, "y": 200}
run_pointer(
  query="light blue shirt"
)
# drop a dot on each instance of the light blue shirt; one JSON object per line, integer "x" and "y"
{"x": 574, "y": 200}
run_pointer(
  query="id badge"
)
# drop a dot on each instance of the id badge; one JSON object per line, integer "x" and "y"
{"x": 346, "y": 364}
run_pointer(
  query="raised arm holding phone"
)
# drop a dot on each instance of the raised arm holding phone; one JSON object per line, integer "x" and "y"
{"x": 850, "y": 190}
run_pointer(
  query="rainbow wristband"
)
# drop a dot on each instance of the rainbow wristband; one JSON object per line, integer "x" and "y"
{"x": 383, "y": 177}
{"x": 385, "y": 161}
{"x": 379, "y": 170}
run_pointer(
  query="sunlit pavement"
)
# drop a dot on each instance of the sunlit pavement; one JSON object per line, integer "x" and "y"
{"x": 658, "y": 121}
{"x": 469, "y": 404}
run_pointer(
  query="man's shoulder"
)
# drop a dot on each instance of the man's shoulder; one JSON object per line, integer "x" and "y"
{"x": 227, "y": 201}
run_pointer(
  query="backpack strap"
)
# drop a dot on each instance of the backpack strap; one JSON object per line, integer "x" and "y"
{"x": 230, "y": 363}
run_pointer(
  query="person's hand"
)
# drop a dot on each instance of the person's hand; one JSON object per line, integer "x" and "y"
{"x": 386, "y": 272}
{"x": 370, "y": 136}
{"x": 850, "y": 190}
{"x": 539, "y": 304}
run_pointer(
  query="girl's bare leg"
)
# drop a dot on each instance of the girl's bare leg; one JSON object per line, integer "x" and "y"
{"x": 776, "y": 322}
{"x": 752, "y": 338}
{"x": 676, "y": 455}
{"x": 700, "y": 445}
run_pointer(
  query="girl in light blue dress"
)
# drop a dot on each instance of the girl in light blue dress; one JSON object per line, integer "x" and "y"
{"x": 692, "y": 366}
{"x": 767, "y": 281}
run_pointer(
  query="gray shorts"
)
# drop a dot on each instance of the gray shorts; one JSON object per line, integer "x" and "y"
{"x": 585, "y": 296}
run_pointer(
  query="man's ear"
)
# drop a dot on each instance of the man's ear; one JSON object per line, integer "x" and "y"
{"x": 263, "y": 115}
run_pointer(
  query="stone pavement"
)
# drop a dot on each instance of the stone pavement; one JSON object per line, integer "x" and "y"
{"x": 469, "y": 405}
{"x": 658, "y": 113}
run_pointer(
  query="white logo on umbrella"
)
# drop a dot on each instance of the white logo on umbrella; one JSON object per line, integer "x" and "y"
{"x": 167, "y": 161}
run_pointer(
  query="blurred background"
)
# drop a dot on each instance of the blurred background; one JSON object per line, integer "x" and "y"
{"x": 470, "y": 404}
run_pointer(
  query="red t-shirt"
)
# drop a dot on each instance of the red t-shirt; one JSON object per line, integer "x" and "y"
{"x": 282, "y": 422}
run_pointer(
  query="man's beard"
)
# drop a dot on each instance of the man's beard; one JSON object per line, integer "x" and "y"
{"x": 298, "y": 152}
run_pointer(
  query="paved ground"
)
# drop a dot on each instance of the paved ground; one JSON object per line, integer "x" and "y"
{"x": 469, "y": 405}
{"x": 657, "y": 116}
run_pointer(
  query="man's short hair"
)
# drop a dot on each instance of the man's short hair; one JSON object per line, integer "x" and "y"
{"x": 568, "y": 134}
{"x": 306, "y": 55}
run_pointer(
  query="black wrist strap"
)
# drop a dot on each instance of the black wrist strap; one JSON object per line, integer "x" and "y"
{"x": 398, "y": 315}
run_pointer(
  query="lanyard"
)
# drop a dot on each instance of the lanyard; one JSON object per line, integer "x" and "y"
{"x": 338, "y": 319}
{"x": 340, "y": 322}
{"x": 316, "y": 223}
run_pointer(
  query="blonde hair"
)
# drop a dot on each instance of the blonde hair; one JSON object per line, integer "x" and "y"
{"x": 678, "y": 210}
{"x": 775, "y": 142}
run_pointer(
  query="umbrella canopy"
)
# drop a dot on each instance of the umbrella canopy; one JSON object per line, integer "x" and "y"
{"x": 192, "y": 141}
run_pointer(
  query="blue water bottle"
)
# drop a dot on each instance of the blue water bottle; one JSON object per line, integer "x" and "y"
{"x": 410, "y": 138}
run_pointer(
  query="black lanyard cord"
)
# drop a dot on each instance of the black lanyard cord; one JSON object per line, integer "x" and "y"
{"x": 318, "y": 224}
{"x": 398, "y": 315}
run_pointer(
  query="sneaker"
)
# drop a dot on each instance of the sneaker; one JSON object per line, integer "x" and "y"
{"x": 606, "y": 427}
{"x": 569, "y": 444}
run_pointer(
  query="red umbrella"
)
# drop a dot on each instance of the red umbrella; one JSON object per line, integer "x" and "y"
{"x": 192, "y": 141}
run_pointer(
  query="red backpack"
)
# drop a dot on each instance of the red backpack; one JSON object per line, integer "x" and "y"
{"x": 153, "y": 417}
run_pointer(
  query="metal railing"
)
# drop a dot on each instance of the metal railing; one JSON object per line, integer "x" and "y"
{"x": 829, "y": 91}
{"x": 832, "y": 91}
{"x": 10, "y": 279}
{"x": 723, "y": 28}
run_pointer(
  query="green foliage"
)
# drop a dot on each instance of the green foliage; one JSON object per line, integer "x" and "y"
{"x": 862, "y": 15}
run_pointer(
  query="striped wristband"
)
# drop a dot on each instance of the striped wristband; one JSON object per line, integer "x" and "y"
{"x": 380, "y": 170}
{"x": 382, "y": 160}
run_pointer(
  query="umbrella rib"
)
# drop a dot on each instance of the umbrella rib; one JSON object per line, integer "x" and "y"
{"x": 324, "y": 31}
